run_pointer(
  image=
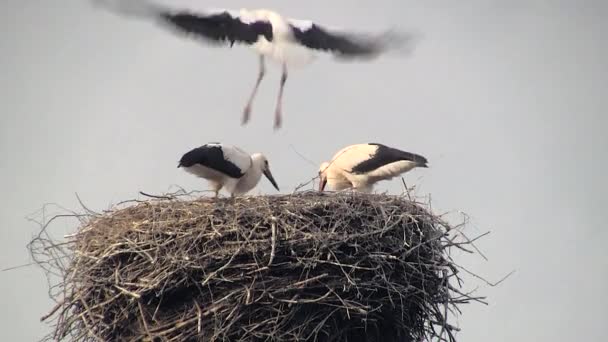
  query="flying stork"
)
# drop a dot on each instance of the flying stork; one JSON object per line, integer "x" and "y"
{"x": 227, "y": 167}
{"x": 360, "y": 166}
{"x": 290, "y": 42}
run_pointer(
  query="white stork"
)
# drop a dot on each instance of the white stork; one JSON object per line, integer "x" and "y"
{"x": 228, "y": 167}
{"x": 360, "y": 166}
{"x": 289, "y": 42}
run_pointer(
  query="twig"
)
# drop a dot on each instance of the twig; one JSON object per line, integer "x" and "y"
{"x": 145, "y": 322}
{"x": 486, "y": 281}
{"x": 273, "y": 242}
{"x": 52, "y": 312}
{"x": 156, "y": 196}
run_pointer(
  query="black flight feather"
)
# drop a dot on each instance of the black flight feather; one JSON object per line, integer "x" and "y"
{"x": 318, "y": 38}
{"x": 221, "y": 27}
{"x": 212, "y": 157}
{"x": 385, "y": 155}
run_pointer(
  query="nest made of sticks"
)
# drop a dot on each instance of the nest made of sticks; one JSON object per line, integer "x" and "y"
{"x": 306, "y": 266}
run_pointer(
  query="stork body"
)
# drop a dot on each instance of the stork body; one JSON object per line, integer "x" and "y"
{"x": 289, "y": 42}
{"x": 360, "y": 166}
{"x": 227, "y": 167}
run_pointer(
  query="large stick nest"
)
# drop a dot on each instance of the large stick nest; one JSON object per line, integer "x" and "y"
{"x": 307, "y": 266}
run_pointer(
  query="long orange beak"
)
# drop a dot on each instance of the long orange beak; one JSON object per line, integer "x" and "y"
{"x": 322, "y": 183}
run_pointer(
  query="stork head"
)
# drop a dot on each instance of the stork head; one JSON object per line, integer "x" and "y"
{"x": 260, "y": 161}
{"x": 323, "y": 175}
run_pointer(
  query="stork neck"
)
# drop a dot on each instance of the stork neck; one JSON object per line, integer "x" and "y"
{"x": 251, "y": 178}
{"x": 255, "y": 172}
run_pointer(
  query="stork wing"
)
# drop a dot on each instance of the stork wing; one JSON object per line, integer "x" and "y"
{"x": 384, "y": 156}
{"x": 344, "y": 44}
{"x": 228, "y": 160}
{"x": 220, "y": 27}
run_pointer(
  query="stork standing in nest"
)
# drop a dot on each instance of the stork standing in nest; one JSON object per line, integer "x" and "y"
{"x": 360, "y": 166}
{"x": 227, "y": 167}
{"x": 290, "y": 42}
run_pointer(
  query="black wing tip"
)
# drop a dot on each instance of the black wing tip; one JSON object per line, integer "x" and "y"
{"x": 420, "y": 160}
{"x": 366, "y": 46}
{"x": 372, "y": 46}
{"x": 423, "y": 162}
{"x": 185, "y": 161}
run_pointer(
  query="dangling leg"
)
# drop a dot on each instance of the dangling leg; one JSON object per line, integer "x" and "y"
{"x": 247, "y": 111}
{"x": 277, "y": 113}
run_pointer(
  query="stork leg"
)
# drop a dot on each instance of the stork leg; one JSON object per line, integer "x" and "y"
{"x": 247, "y": 110}
{"x": 278, "y": 110}
{"x": 216, "y": 187}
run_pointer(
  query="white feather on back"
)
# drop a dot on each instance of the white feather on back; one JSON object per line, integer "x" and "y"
{"x": 237, "y": 156}
{"x": 281, "y": 50}
{"x": 340, "y": 168}
{"x": 350, "y": 156}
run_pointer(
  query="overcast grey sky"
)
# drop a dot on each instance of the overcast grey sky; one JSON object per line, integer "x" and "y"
{"x": 507, "y": 100}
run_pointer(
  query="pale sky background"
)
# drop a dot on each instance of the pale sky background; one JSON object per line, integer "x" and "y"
{"x": 507, "y": 99}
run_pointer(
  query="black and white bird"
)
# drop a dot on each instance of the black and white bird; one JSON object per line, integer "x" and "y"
{"x": 290, "y": 42}
{"x": 227, "y": 167}
{"x": 360, "y": 166}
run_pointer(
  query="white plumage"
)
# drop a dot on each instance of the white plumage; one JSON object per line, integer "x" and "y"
{"x": 227, "y": 167}
{"x": 360, "y": 166}
{"x": 290, "y": 42}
